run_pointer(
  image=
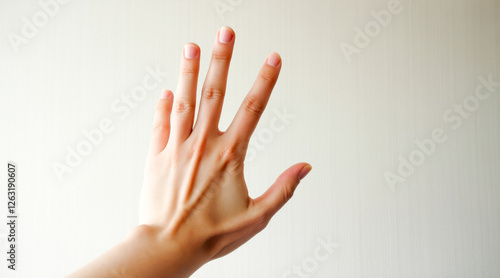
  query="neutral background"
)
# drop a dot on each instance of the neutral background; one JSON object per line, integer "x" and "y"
{"x": 353, "y": 121}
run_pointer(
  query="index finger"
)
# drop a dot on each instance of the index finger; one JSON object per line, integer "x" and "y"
{"x": 255, "y": 102}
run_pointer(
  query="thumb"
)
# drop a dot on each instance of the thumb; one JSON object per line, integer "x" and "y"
{"x": 282, "y": 190}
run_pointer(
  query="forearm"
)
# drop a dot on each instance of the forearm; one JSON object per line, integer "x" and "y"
{"x": 144, "y": 252}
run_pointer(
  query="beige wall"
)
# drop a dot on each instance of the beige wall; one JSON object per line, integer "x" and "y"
{"x": 357, "y": 103}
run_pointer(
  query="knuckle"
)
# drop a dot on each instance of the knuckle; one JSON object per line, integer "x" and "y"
{"x": 158, "y": 128}
{"x": 196, "y": 150}
{"x": 241, "y": 148}
{"x": 231, "y": 157}
{"x": 220, "y": 56}
{"x": 268, "y": 76}
{"x": 253, "y": 106}
{"x": 262, "y": 220}
{"x": 228, "y": 154}
{"x": 211, "y": 92}
{"x": 182, "y": 107}
{"x": 287, "y": 193}
{"x": 187, "y": 71}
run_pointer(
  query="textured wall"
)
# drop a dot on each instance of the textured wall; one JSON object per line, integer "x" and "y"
{"x": 394, "y": 104}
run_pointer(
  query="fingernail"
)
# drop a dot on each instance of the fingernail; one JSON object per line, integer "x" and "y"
{"x": 273, "y": 59}
{"x": 190, "y": 51}
{"x": 305, "y": 171}
{"x": 225, "y": 35}
{"x": 165, "y": 94}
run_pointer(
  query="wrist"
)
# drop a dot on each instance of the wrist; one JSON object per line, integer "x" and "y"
{"x": 168, "y": 255}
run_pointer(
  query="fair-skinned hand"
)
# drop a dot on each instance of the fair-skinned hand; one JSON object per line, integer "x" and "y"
{"x": 194, "y": 204}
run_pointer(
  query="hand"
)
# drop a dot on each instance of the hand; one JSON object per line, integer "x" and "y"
{"x": 194, "y": 185}
{"x": 194, "y": 204}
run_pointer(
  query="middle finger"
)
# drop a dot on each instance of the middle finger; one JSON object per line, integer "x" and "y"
{"x": 214, "y": 87}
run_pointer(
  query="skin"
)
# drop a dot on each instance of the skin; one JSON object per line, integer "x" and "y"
{"x": 194, "y": 204}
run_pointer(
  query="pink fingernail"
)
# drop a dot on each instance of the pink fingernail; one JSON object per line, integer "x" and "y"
{"x": 273, "y": 59}
{"x": 225, "y": 35}
{"x": 165, "y": 94}
{"x": 305, "y": 171}
{"x": 190, "y": 51}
